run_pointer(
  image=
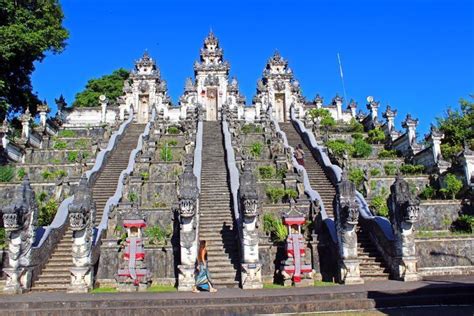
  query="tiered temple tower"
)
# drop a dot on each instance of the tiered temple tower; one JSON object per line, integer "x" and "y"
{"x": 145, "y": 89}
{"x": 279, "y": 89}
{"x": 211, "y": 88}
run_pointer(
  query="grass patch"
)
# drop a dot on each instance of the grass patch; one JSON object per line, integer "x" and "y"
{"x": 272, "y": 286}
{"x": 104, "y": 290}
{"x": 434, "y": 234}
{"x": 160, "y": 288}
{"x": 323, "y": 283}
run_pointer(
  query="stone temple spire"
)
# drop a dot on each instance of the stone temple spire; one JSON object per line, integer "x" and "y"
{"x": 146, "y": 66}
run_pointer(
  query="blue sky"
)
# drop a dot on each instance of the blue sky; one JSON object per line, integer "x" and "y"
{"x": 417, "y": 56}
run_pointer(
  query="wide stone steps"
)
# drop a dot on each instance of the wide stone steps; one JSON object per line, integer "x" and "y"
{"x": 372, "y": 265}
{"x": 55, "y": 276}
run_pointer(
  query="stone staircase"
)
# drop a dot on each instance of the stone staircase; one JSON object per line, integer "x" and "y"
{"x": 372, "y": 265}
{"x": 216, "y": 224}
{"x": 317, "y": 177}
{"x": 55, "y": 275}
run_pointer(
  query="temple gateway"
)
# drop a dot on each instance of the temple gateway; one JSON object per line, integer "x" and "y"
{"x": 284, "y": 190}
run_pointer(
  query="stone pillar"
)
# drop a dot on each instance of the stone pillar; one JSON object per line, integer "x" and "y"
{"x": 353, "y": 107}
{"x": 389, "y": 115}
{"x": 81, "y": 220}
{"x": 20, "y": 220}
{"x": 25, "y": 122}
{"x": 347, "y": 215}
{"x": 337, "y": 101}
{"x": 43, "y": 110}
{"x": 467, "y": 161}
{"x": 403, "y": 212}
{"x": 251, "y": 266}
{"x": 188, "y": 195}
{"x": 410, "y": 125}
{"x": 434, "y": 139}
{"x": 318, "y": 101}
{"x": 103, "y": 105}
{"x": 373, "y": 107}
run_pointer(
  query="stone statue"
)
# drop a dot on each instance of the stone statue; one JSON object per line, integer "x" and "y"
{"x": 251, "y": 266}
{"x": 82, "y": 212}
{"x": 403, "y": 213}
{"x": 20, "y": 220}
{"x": 188, "y": 194}
{"x": 366, "y": 182}
{"x": 347, "y": 215}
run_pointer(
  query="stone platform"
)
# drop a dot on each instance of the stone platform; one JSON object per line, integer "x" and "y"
{"x": 385, "y": 296}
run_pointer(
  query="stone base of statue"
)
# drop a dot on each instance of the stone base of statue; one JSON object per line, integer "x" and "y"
{"x": 18, "y": 281}
{"x": 251, "y": 276}
{"x": 186, "y": 279}
{"x": 350, "y": 272}
{"x": 81, "y": 280}
{"x": 405, "y": 269}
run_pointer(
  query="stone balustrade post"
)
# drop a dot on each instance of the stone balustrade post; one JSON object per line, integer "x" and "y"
{"x": 25, "y": 122}
{"x": 403, "y": 213}
{"x": 353, "y": 108}
{"x": 43, "y": 110}
{"x": 410, "y": 124}
{"x": 103, "y": 105}
{"x": 346, "y": 216}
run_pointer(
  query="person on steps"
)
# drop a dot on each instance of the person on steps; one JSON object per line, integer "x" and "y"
{"x": 299, "y": 154}
{"x": 203, "y": 279}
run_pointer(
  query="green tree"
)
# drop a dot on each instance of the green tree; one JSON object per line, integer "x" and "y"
{"x": 458, "y": 128}
{"x": 28, "y": 30}
{"x": 109, "y": 85}
{"x": 323, "y": 115}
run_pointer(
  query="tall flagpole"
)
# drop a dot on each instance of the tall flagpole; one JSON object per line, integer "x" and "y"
{"x": 342, "y": 77}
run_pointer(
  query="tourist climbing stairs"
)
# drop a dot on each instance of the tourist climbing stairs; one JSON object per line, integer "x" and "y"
{"x": 216, "y": 223}
{"x": 317, "y": 177}
{"x": 372, "y": 265}
{"x": 55, "y": 276}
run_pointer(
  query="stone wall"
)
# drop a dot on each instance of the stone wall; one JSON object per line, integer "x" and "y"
{"x": 437, "y": 214}
{"x": 445, "y": 255}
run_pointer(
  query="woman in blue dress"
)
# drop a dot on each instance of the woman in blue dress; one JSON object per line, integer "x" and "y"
{"x": 203, "y": 279}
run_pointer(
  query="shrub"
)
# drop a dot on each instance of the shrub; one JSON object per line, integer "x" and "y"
{"x": 390, "y": 169}
{"x": 452, "y": 186}
{"x": 275, "y": 227}
{"x": 449, "y": 152}
{"x": 249, "y": 128}
{"x": 46, "y": 174}
{"x": 133, "y": 197}
{"x": 81, "y": 144}
{"x": 281, "y": 173}
{"x": 375, "y": 172}
{"x": 428, "y": 193}
{"x": 338, "y": 147}
{"x": 356, "y": 126}
{"x": 21, "y": 173}
{"x": 357, "y": 136}
{"x": 6, "y": 173}
{"x": 384, "y": 153}
{"x": 361, "y": 149}
{"x": 412, "y": 169}
{"x": 266, "y": 172}
{"x": 59, "y": 174}
{"x": 465, "y": 223}
{"x": 158, "y": 235}
{"x": 73, "y": 156}
{"x": 47, "y": 211}
{"x": 256, "y": 149}
{"x": 275, "y": 194}
{"x": 325, "y": 117}
{"x": 67, "y": 133}
{"x": 291, "y": 194}
{"x": 166, "y": 154}
{"x": 379, "y": 205}
{"x": 2, "y": 238}
{"x": 145, "y": 175}
{"x": 356, "y": 175}
{"x": 172, "y": 142}
{"x": 376, "y": 136}
{"x": 173, "y": 130}
{"x": 59, "y": 145}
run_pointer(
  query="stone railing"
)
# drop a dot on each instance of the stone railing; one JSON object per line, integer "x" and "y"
{"x": 379, "y": 227}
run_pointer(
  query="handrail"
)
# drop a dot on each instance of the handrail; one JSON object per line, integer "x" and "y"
{"x": 233, "y": 171}
{"x": 335, "y": 174}
{"x": 62, "y": 213}
{"x": 313, "y": 194}
{"x": 115, "y": 199}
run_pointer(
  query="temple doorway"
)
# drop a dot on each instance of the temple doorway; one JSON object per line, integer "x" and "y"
{"x": 280, "y": 107}
{"x": 212, "y": 110}
{"x": 143, "y": 109}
